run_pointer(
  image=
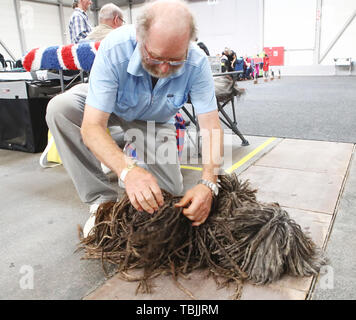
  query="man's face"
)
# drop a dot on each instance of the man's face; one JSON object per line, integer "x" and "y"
{"x": 163, "y": 51}
{"x": 162, "y": 70}
{"x": 86, "y": 4}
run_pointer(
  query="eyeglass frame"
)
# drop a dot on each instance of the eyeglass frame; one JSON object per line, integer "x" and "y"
{"x": 149, "y": 59}
{"x": 123, "y": 21}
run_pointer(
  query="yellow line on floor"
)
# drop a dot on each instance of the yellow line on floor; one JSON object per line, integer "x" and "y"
{"x": 249, "y": 156}
{"x": 192, "y": 168}
{"x": 240, "y": 162}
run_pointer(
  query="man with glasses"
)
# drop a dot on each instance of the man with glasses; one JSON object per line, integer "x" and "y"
{"x": 140, "y": 78}
{"x": 110, "y": 17}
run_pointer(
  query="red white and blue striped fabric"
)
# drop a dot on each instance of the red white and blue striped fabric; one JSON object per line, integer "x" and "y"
{"x": 81, "y": 57}
{"x": 69, "y": 57}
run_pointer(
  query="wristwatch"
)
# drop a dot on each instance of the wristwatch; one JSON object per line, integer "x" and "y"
{"x": 213, "y": 186}
{"x": 126, "y": 171}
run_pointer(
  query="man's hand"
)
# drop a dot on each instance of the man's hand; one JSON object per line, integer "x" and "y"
{"x": 200, "y": 199}
{"x": 143, "y": 190}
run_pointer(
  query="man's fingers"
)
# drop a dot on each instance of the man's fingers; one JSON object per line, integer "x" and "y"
{"x": 193, "y": 213}
{"x": 157, "y": 194}
{"x": 134, "y": 202}
{"x": 184, "y": 201}
{"x": 144, "y": 204}
{"x": 150, "y": 199}
{"x": 199, "y": 222}
{"x": 194, "y": 207}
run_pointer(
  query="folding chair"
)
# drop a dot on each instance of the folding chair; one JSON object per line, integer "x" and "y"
{"x": 225, "y": 92}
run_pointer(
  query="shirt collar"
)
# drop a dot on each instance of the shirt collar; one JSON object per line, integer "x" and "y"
{"x": 80, "y": 10}
{"x": 135, "y": 67}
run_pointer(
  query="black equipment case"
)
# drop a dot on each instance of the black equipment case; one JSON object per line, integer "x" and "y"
{"x": 23, "y": 107}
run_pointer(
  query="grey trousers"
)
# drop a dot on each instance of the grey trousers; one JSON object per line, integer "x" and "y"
{"x": 64, "y": 118}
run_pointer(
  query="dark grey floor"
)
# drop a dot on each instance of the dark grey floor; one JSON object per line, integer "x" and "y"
{"x": 312, "y": 108}
{"x": 339, "y": 280}
{"x": 38, "y": 240}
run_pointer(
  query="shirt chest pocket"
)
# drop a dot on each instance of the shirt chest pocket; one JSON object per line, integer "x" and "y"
{"x": 176, "y": 101}
{"x": 130, "y": 99}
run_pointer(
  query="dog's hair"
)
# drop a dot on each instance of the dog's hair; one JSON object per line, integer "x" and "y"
{"x": 242, "y": 239}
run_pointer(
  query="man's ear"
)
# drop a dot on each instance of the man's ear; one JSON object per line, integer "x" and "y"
{"x": 116, "y": 21}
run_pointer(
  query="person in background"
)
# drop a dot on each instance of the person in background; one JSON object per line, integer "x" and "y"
{"x": 224, "y": 63}
{"x": 110, "y": 18}
{"x": 79, "y": 26}
{"x": 265, "y": 65}
{"x": 231, "y": 56}
{"x": 202, "y": 46}
{"x": 247, "y": 68}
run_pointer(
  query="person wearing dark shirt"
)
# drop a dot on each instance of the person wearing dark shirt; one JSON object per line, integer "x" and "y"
{"x": 202, "y": 46}
{"x": 231, "y": 56}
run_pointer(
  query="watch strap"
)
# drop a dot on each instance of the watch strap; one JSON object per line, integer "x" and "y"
{"x": 213, "y": 186}
{"x": 126, "y": 171}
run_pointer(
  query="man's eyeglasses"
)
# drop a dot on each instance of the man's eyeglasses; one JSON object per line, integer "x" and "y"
{"x": 123, "y": 21}
{"x": 150, "y": 60}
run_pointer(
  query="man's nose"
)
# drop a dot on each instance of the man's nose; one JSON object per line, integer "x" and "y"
{"x": 164, "y": 67}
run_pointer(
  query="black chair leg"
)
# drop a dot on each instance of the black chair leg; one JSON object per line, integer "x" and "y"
{"x": 233, "y": 127}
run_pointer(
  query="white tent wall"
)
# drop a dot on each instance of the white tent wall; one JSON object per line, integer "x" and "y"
{"x": 291, "y": 24}
{"x": 225, "y": 23}
{"x": 244, "y": 25}
{"x": 8, "y": 29}
{"x": 40, "y": 23}
{"x": 249, "y": 25}
{"x": 335, "y": 14}
{"x": 229, "y": 23}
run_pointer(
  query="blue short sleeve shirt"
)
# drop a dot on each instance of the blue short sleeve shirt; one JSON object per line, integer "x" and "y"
{"x": 119, "y": 84}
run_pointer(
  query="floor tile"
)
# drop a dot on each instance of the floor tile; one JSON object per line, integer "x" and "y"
{"x": 315, "y": 156}
{"x": 309, "y": 191}
{"x": 314, "y": 223}
{"x": 253, "y": 292}
{"x": 198, "y": 286}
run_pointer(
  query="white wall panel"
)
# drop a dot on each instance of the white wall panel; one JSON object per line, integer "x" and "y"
{"x": 298, "y": 58}
{"x": 335, "y": 13}
{"x": 8, "y": 29}
{"x": 234, "y": 23}
{"x": 290, "y": 24}
{"x": 229, "y": 23}
{"x": 41, "y": 24}
{"x": 345, "y": 47}
{"x": 67, "y": 12}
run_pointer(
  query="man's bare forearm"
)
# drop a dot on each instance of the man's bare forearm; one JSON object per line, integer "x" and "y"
{"x": 97, "y": 139}
{"x": 213, "y": 140}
